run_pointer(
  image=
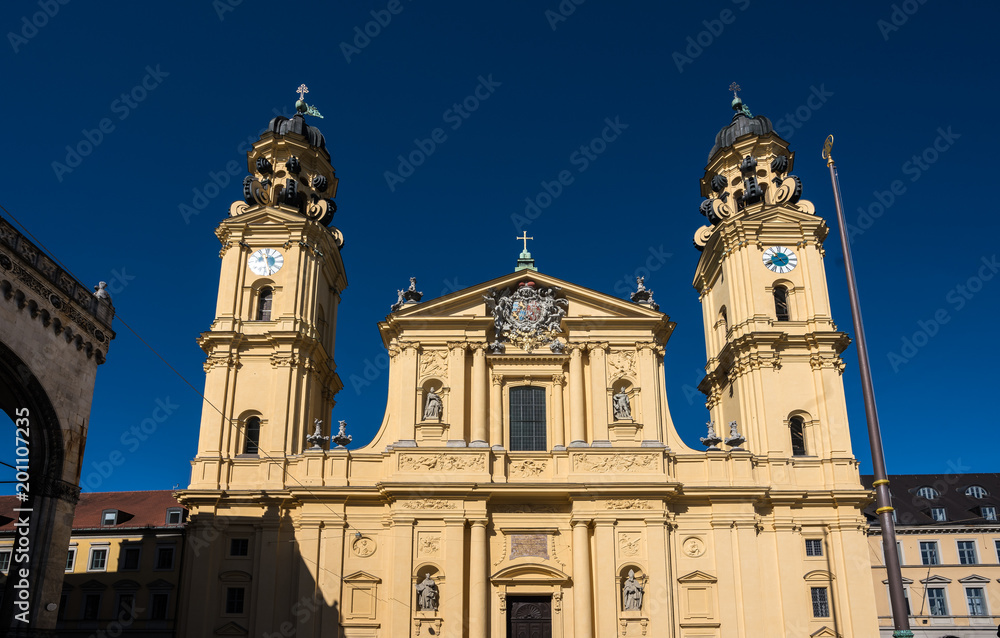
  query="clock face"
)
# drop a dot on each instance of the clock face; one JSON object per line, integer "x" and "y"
{"x": 266, "y": 261}
{"x": 780, "y": 259}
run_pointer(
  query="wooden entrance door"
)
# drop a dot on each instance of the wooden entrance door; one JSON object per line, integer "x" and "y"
{"x": 529, "y": 617}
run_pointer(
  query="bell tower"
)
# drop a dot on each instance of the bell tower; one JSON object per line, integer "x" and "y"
{"x": 270, "y": 371}
{"x": 773, "y": 350}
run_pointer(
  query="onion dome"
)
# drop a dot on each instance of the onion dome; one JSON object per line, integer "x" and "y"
{"x": 282, "y": 126}
{"x": 743, "y": 123}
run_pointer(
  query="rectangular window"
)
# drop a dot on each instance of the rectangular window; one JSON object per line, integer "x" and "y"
{"x": 71, "y": 559}
{"x": 997, "y": 543}
{"x": 967, "y": 552}
{"x": 234, "y": 600}
{"x": 126, "y": 608}
{"x": 91, "y": 606}
{"x": 820, "y": 602}
{"x": 938, "y": 514}
{"x": 988, "y": 512}
{"x": 109, "y": 518}
{"x": 936, "y": 602}
{"x": 239, "y": 547}
{"x": 977, "y": 601}
{"x": 5, "y": 560}
{"x": 98, "y": 559}
{"x": 158, "y": 606}
{"x": 814, "y": 547}
{"x": 63, "y": 603}
{"x": 130, "y": 558}
{"x": 527, "y": 419}
{"x": 929, "y": 553}
{"x": 164, "y": 557}
{"x": 175, "y": 516}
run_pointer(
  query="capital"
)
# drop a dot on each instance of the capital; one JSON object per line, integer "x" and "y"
{"x": 559, "y": 379}
{"x": 497, "y": 379}
{"x": 455, "y": 346}
{"x": 598, "y": 347}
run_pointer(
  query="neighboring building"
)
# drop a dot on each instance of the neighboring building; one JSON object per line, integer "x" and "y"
{"x": 948, "y": 539}
{"x": 54, "y": 333}
{"x": 122, "y": 567}
{"x": 527, "y": 477}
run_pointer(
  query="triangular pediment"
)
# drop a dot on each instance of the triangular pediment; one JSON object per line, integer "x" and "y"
{"x": 467, "y": 309}
{"x": 697, "y": 577}
{"x": 973, "y": 579}
{"x": 824, "y": 632}
{"x": 231, "y": 629}
{"x": 906, "y": 581}
{"x": 788, "y": 214}
{"x": 936, "y": 580}
{"x": 362, "y": 577}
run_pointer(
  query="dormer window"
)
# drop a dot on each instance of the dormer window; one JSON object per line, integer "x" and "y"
{"x": 109, "y": 518}
{"x": 939, "y": 514}
{"x": 927, "y": 492}
{"x": 175, "y": 516}
{"x": 976, "y": 491}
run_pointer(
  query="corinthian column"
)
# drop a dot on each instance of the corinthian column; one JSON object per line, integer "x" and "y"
{"x": 558, "y": 425}
{"x": 478, "y": 589}
{"x": 577, "y": 411}
{"x": 599, "y": 400}
{"x": 479, "y": 394}
{"x": 456, "y": 394}
{"x": 496, "y": 411}
{"x": 583, "y": 602}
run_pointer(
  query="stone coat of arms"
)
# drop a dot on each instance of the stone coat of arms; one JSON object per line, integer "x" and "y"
{"x": 527, "y": 317}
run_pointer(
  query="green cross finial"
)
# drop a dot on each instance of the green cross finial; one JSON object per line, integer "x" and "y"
{"x": 525, "y": 262}
{"x": 525, "y": 239}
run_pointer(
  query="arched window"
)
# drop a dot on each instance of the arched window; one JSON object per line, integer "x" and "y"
{"x": 781, "y": 303}
{"x": 527, "y": 419}
{"x": 264, "y": 298}
{"x": 927, "y": 492}
{"x": 251, "y": 436}
{"x": 797, "y": 429}
{"x": 976, "y": 492}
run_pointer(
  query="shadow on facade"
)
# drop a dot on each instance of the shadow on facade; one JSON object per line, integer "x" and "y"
{"x": 261, "y": 575}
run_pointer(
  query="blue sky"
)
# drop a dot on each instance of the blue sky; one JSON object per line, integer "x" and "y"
{"x": 159, "y": 99}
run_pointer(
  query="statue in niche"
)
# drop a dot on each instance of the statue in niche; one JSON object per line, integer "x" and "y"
{"x": 432, "y": 407}
{"x": 427, "y": 594}
{"x": 632, "y": 593}
{"x": 622, "y": 407}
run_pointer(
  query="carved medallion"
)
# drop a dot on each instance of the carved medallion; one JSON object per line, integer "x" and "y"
{"x": 442, "y": 462}
{"x": 429, "y": 504}
{"x": 529, "y": 468}
{"x": 527, "y": 317}
{"x": 628, "y": 544}
{"x": 693, "y": 547}
{"x": 433, "y": 363}
{"x": 617, "y": 463}
{"x": 628, "y": 504}
{"x": 428, "y": 544}
{"x": 622, "y": 363}
{"x": 364, "y": 546}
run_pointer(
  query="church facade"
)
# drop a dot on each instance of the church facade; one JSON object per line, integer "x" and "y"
{"x": 527, "y": 478}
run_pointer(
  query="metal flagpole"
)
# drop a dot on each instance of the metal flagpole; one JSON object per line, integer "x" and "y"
{"x": 897, "y": 597}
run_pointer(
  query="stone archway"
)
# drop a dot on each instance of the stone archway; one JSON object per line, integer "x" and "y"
{"x": 54, "y": 333}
